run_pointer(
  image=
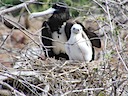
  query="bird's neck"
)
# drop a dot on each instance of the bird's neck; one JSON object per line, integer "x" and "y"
{"x": 76, "y": 36}
{"x": 79, "y": 37}
{"x": 57, "y": 20}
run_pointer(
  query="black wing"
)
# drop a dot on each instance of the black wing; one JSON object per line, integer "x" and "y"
{"x": 46, "y": 34}
{"x": 68, "y": 26}
{"x": 46, "y": 39}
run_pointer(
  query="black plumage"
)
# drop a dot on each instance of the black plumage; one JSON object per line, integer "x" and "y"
{"x": 54, "y": 23}
{"x": 58, "y": 27}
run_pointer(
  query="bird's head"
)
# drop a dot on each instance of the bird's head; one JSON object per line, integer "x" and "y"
{"x": 76, "y": 29}
{"x": 60, "y": 7}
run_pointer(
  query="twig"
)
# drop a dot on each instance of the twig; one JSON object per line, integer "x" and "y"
{"x": 100, "y": 6}
{"x": 17, "y": 25}
{"x": 15, "y": 7}
{"x": 25, "y": 83}
{"x": 111, "y": 26}
{"x": 82, "y": 90}
{"x": 4, "y": 92}
{"x": 124, "y": 2}
{"x": 12, "y": 89}
{"x": 6, "y": 38}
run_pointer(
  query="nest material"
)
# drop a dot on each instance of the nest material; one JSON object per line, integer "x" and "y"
{"x": 64, "y": 78}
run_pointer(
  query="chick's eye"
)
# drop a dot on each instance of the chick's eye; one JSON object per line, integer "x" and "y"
{"x": 73, "y": 28}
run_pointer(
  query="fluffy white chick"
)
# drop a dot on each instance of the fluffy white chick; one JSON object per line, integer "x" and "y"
{"x": 79, "y": 47}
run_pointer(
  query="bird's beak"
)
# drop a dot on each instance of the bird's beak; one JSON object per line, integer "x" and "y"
{"x": 76, "y": 32}
{"x": 46, "y": 12}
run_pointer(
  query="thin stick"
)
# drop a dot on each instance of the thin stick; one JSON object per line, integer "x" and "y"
{"x": 16, "y": 7}
{"x": 82, "y": 90}
{"x": 12, "y": 89}
{"x": 111, "y": 26}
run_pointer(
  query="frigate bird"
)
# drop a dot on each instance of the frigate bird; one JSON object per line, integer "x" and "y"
{"x": 79, "y": 47}
{"x": 56, "y": 30}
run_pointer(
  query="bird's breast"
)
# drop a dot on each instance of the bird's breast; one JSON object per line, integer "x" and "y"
{"x": 59, "y": 40}
{"x": 75, "y": 39}
{"x": 78, "y": 49}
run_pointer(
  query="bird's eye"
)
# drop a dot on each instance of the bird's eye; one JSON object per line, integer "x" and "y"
{"x": 73, "y": 28}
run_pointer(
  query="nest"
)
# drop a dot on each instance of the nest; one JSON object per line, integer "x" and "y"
{"x": 64, "y": 78}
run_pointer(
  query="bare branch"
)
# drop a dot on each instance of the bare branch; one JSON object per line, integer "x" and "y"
{"x": 16, "y": 7}
{"x": 12, "y": 89}
{"x": 112, "y": 29}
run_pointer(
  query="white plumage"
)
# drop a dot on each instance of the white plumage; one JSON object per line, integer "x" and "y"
{"x": 79, "y": 47}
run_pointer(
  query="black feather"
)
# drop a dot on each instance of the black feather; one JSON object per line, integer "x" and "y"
{"x": 53, "y": 24}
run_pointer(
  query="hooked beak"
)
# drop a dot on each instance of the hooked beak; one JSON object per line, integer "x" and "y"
{"x": 46, "y": 12}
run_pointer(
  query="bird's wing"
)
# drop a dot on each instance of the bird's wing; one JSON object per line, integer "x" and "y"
{"x": 94, "y": 39}
{"x": 68, "y": 29}
{"x": 46, "y": 34}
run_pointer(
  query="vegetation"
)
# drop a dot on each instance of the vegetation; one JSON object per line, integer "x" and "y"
{"x": 84, "y": 4}
{"x": 9, "y": 2}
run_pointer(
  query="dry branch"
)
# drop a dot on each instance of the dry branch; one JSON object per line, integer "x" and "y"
{"x": 112, "y": 30}
{"x": 21, "y": 28}
{"x": 16, "y": 7}
{"x": 5, "y": 93}
{"x": 12, "y": 89}
{"x": 18, "y": 73}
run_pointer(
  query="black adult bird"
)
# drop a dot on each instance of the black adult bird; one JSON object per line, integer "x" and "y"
{"x": 58, "y": 27}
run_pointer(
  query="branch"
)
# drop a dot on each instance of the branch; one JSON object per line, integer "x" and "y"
{"x": 18, "y": 73}
{"x": 100, "y": 6}
{"x": 21, "y": 28}
{"x": 82, "y": 90}
{"x": 11, "y": 88}
{"x": 112, "y": 29}
{"x": 16, "y": 7}
{"x": 4, "y": 92}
